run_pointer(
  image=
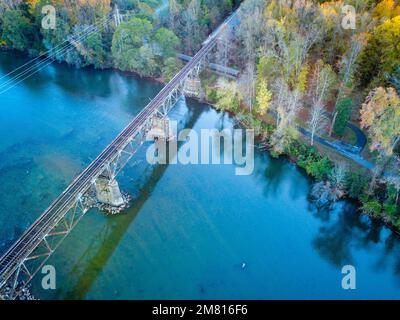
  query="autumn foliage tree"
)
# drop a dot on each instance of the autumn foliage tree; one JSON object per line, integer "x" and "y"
{"x": 381, "y": 54}
{"x": 380, "y": 115}
{"x": 386, "y": 9}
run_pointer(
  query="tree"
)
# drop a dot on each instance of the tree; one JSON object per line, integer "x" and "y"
{"x": 343, "y": 113}
{"x": 247, "y": 85}
{"x": 303, "y": 78}
{"x": 192, "y": 30}
{"x": 380, "y": 115}
{"x": 386, "y": 9}
{"x": 17, "y": 30}
{"x": 250, "y": 28}
{"x": 174, "y": 14}
{"x": 143, "y": 62}
{"x": 171, "y": 67}
{"x": 382, "y": 53}
{"x": 166, "y": 43}
{"x": 394, "y": 79}
{"x": 320, "y": 91}
{"x": 356, "y": 183}
{"x": 263, "y": 97}
{"x": 287, "y": 105}
{"x": 348, "y": 62}
{"x": 228, "y": 96}
{"x": 317, "y": 121}
{"x": 130, "y": 49}
{"x": 322, "y": 83}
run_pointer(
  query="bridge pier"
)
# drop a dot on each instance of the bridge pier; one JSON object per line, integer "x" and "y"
{"x": 193, "y": 87}
{"x": 160, "y": 130}
{"x": 24, "y": 258}
{"x": 108, "y": 192}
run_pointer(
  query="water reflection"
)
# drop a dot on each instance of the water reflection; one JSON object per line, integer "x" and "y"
{"x": 88, "y": 267}
{"x": 345, "y": 230}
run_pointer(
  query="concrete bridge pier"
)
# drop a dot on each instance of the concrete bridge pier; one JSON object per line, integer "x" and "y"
{"x": 108, "y": 192}
{"x": 193, "y": 87}
{"x": 160, "y": 130}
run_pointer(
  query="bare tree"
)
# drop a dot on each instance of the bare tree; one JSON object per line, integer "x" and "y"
{"x": 174, "y": 14}
{"x": 191, "y": 25}
{"x": 317, "y": 121}
{"x": 9, "y": 4}
{"x": 247, "y": 84}
{"x": 338, "y": 175}
{"x": 288, "y": 47}
{"x": 349, "y": 60}
{"x": 322, "y": 83}
{"x": 251, "y": 26}
{"x": 223, "y": 48}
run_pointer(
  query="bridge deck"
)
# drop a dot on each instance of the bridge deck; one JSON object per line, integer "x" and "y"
{"x": 220, "y": 69}
{"x": 35, "y": 234}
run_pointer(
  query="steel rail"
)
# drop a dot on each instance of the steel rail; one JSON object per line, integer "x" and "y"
{"x": 36, "y": 233}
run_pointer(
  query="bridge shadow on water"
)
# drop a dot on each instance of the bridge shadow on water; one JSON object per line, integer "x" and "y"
{"x": 116, "y": 227}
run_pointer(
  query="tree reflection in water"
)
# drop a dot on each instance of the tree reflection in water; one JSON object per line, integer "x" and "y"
{"x": 345, "y": 230}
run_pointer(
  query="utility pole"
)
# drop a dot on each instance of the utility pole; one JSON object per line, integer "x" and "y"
{"x": 117, "y": 16}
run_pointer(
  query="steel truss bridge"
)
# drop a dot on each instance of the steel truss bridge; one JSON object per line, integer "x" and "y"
{"x": 25, "y": 258}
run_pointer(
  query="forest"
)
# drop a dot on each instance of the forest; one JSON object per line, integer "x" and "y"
{"x": 302, "y": 66}
{"x": 304, "y": 70}
{"x": 144, "y": 42}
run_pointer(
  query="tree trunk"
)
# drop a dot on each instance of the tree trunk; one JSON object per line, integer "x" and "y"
{"x": 333, "y": 123}
{"x": 312, "y": 137}
{"x": 378, "y": 172}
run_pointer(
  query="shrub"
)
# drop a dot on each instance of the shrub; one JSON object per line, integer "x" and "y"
{"x": 319, "y": 169}
{"x": 390, "y": 209}
{"x": 343, "y": 110}
{"x": 356, "y": 182}
{"x": 372, "y": 207}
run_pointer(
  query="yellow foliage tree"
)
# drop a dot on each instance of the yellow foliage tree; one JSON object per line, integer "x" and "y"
{"x": 380, "y": 115}
{"x": 32, "y": 5}
{"x": 263, "y": 97}
{"x": 303, "y": 78}
{"x": 386, "y": 9}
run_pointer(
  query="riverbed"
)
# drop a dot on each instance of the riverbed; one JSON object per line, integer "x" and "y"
{"x": 192, "y": 231}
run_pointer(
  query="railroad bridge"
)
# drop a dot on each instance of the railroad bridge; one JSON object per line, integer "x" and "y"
{"x": 29, "y": 253}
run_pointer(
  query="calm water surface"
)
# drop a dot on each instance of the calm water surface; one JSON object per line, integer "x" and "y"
{"x": 190, "y": 228}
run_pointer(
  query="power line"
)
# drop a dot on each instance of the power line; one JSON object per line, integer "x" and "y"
{"x": 38, "y": 57}
{"x": 59, "y": 51}
{"x": 42, "y": 64}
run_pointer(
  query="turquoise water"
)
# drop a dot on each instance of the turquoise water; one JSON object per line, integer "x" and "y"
{"x": 190, "y": 228}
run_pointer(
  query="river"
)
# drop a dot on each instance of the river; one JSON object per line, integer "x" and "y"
{"x": 190, "y": 228}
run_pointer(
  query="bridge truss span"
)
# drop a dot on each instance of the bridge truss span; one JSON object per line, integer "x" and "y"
{"x": 29, "y": 253}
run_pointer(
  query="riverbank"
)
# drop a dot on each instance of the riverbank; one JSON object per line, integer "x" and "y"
{"x": 317, "y": 163}
{"x": 54, "y": 124}
{"x": 333, "y": 179}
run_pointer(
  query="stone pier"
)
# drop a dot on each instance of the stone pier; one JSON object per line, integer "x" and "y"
{"x": 160, "y": 130}
{"x": 108, "y": 192}
{"x": 193, "y": 88}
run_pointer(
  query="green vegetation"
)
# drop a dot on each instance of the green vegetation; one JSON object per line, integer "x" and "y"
{"x": 143, "y": 43}
{"x": 299, "y": 67}
{"x": 343, "y": 109}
